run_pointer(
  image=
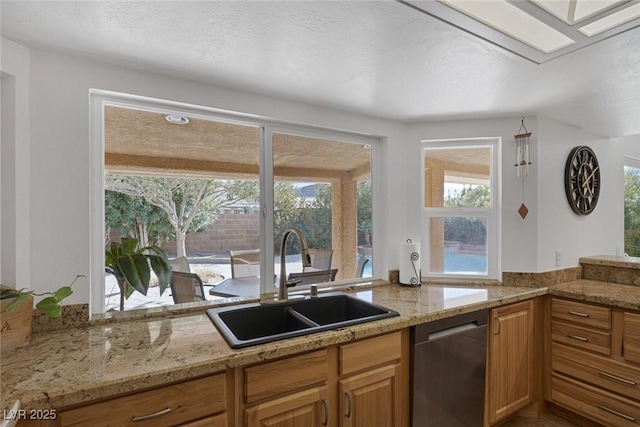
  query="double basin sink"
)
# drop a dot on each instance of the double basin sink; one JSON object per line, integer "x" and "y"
{"x": 250, "y": 324}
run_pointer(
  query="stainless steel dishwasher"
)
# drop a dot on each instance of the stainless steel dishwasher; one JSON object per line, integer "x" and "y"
{"x": 448, "y": 371}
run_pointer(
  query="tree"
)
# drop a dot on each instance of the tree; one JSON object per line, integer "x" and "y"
{"x": 632, "y": 211}
{"x": 134, "y": 217}
{"x": 365, "y": 223}
{"x": 186, "y": 201}
{"x": 468, "y": 230}
{"x": 472, "y": 196}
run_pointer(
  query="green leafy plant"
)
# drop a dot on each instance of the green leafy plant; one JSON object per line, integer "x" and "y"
{"x": 132, "y": 267}
{"x": 51, "y": 306}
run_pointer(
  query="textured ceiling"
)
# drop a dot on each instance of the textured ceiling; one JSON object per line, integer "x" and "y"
{"x": 380, "y": 58}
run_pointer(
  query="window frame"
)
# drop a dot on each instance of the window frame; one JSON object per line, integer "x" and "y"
{"x": 99, "y": 99}
{"x": 631, "y": 162}
{"x": 493, "y": 213}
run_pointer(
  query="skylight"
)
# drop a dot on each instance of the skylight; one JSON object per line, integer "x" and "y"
{"x": 514, "y": 22}
{"x": 611, "y": 21}
{"x": 538, "y": 30}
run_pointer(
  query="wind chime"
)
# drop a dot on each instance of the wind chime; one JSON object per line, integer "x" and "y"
{"x": 523, "y": 160}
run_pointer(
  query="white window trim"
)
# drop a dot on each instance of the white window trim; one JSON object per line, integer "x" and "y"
{"x": 100, "y": 98}
{"x": 493, "y": 214}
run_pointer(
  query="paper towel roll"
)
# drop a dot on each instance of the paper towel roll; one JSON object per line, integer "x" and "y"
{"x": 410, "y": 263}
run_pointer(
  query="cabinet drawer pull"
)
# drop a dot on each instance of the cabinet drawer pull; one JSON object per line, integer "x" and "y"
{"x": 497, "y": 329}
{"x": 620, "y": 414}
{"x": 325, "y": 405}
{"x": 348, "y": 396}
{"x": 614, "y": 377}
{"x": 578, "y": 337}
{"x": 577, "y": 313}
{"x": 151, "y": 416}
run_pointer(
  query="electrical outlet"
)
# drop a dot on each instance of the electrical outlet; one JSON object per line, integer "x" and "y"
{"x": 558, "y": 259}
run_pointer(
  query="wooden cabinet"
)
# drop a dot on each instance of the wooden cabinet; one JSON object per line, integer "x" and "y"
{"x": 356, "y": 384}
{"x": 510, "y": 369}
{"x": 370, "y": 399}
{"x": 287, "y": 392}
{"x": 195, "y": 400}
{"x": 371, "y": 389}
{"x": 306, "y": 408}
{"x": 595, "y": 362}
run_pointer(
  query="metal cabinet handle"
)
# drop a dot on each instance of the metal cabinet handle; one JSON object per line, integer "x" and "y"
{"x": 620, "y": 414}
{"x": 325, "y": 405}
{"x": 616, "y": 378}
{"x": 151, "y": 416}
{"x": 578, "y": 337}
{"x": 577, "y": 313}
{"x": 348, "y": 396}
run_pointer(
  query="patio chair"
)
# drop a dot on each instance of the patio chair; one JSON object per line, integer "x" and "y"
{"x": 186, "y": 287}
{"x": 320, "y": 259}
{"x": 362, "y": 262}
{"x": 313, "y": 277}
{"x": 245, "y": 263}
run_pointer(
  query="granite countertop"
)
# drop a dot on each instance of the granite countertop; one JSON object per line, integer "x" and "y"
{"x": 607, "y": 293}
{"x": 612, "y": 261}
{"x": 63, "y": 368}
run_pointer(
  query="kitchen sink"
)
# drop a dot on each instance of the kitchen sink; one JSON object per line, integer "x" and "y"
{"x": 250, "y": 324}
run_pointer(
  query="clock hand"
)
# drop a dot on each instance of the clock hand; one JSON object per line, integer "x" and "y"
{"x": 586, "y": 181}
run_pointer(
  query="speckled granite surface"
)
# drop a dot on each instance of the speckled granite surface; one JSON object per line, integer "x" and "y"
{"x": 608, "y": 293}
{"x": 625, "y": 270}
{"x": 62, "y": 368}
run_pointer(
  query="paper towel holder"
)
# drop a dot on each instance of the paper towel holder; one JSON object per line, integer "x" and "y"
{"x": 415, "y": 279}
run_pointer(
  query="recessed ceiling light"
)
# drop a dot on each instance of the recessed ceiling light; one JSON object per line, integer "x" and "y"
{"x": 175, "y": 119}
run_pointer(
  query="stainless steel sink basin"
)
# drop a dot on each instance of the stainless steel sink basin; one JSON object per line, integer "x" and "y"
{"x": 251, "y": 324}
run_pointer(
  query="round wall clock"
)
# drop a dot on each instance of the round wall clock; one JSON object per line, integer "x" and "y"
{"x": 582, "y": 180}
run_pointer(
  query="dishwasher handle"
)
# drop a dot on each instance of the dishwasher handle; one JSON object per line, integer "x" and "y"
{"x": 443, "y": 333}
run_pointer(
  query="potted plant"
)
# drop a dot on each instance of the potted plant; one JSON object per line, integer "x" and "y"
{"x": 17, "y": 307}
{"x": 132, "y": 267}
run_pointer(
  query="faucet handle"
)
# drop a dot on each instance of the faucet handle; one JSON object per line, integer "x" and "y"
{"x": 314, "y": 291}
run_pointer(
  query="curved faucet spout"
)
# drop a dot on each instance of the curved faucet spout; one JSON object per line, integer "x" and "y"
{"x": 283, "y": 293}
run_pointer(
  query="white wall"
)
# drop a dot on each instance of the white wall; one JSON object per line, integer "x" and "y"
{"x": 559, "y": 228}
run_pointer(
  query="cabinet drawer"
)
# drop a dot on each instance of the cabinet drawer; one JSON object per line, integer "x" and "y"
{"x": 282, "y": 376}
{"x": 215, "y": 421}
{"x": 631, "y": 338}
{"x": 583, "y": 338}
{"x": 602, "y": 406}
{"x": 368, "y": 353}
{"x": 598, "y": 370}
{"x": 583, "y": 314}
{"x": 170, "y": 405}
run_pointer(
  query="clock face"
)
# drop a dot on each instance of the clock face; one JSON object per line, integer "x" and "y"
{"x": 582, "y": 180}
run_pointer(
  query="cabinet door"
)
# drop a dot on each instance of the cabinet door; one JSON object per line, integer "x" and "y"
{"x": 631, "y": 338}
{"x": 371, "y": 398}
{"x": 510, "y": 372}
{"x": 308, "y": 408}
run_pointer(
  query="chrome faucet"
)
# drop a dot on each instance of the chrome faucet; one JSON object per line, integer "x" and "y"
{"x": 283, "y": 293}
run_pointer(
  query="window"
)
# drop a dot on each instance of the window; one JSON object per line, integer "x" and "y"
{"x": 461, "y": 221}
{"x": 631, "y": 206}
{"x": 263, "y": 179}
